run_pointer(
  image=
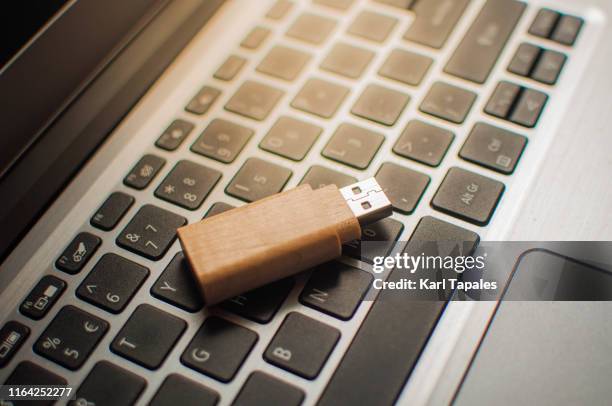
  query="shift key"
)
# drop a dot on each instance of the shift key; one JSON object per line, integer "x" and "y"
{"x": 477, "y": 53}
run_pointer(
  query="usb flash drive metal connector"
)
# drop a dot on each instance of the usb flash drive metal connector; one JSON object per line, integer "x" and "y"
{"x": 276, "y": 237}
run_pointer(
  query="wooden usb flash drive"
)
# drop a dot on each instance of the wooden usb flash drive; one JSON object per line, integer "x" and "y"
{"x": 281, "y": 235}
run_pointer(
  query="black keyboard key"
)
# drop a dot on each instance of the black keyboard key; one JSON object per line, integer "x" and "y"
{"x": 319, "y": 176}
{"x": 76, "y": 255}
{"x": 258, "y": 179}
{"x": 112, "y": 211}
{"x": 311, "y": 28}
{"x": 528, "y": 108}
{"x": 151, "y": 232}
{"x": 336, "y": 289}
{"x": 320, "y": 97}
{"x": 263, "y": 389}
{"x": 567, "y": 29}
{"x": 12, "y": 336}
{"x": 373, "y": 26}
{"x": 291, "y": 138}
{"x": 353, "y": 146}
{"x": 27, "y": 373}
{"x": 380, "y": 104}
{"x": 403, "y": 186}
{"x": 218, "y": 208}
{"x": 481, "y": 46}
{"x": 230, "y": 68}
{"x": 377, "y": 240}
{"x": 468, "y": 196}
{"x": 148, "y": 336}
{"x": 434, "y": 21}
{"x": 112, "y": 283}
{"x": 406, "y": 67}
{"x": 395, "y": 330}
{"x": 493, "y": 148}
{"x": 423, "y": 143}
{"x": 177, "y": 287}
{"x": 524, "y": 59}
{"x": 549, "y": 67}
{"x": 302, "y": 345}
{"x": 279, "y": 9}
{"x": 174, "y": 135}
{"x": 545, "y": 21}
{"x": 254, "y": 100}
{"x": 222, "y": 140}
{"x": 144, "y": 171}
{"x": 108, "y": 384}
{"x": 347, "y": 60}
{"x": 42, "y": 297}
{"x": 284, "y": 63}
{"x": 261, "y": 304}
{"x": 203, "y": 101}
{"x": 71, "y": 337}
{"x": 448, "y": 102}
{"x": 219, "y": 348}
{"x": 188, "y": 184}
{"x": 502, "y": 100}
{"x": 255, "y": 38}
{"x": 178, "y": 390}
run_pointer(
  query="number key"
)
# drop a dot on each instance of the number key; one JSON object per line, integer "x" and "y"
{"x": 188, "y": 184}
{"x": 258, "y": 179}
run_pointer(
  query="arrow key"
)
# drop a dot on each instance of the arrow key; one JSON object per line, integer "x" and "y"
{"x": 528, "y": 108}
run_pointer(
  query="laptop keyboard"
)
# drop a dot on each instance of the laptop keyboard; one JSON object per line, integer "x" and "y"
{"x": 396, "y": 328}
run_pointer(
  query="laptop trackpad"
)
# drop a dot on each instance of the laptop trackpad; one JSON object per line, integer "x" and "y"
{"x": 545, "y": 352}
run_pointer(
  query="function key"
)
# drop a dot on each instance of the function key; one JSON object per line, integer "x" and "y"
{"x": 302, "y": 345}
{"x": 76, "y": 255}
{"x": 311, "y": 28}
{"x": 543, "y": 24}
{"x": 134, "y": 340}
{"x": 406, "y": 67}
{"x": 263, "y": 389}
{"x": 188, "y": 184}
{"x": 347, "y": 60}
{"x": 71, "y": 337}
{"x": 353, "y": 146}
{"x": 567, "y": 29}
{"x": 108, "y": 384}
{"x": 255, "y": 38}
{"x": 279, "y": 9}
{"x": 230, "y": 68}
{"x": 257, "y": 179}
{"x": 423, "y": 143}
{"x": 320, "y": 97}
{"x": 380, "y": 104}
{"x": 112, "y": 211}
{"x": 112, "y": 283}
{"x": 336, "y": 289}
{"x": 373, "y": 26}
{"x": 151, "y": 232}
{"x": 448, "y": 102}
{"x": 319, "y": 176}
{"x": 28, "y": 373}
{"x": 468, "y": 196}
{"x": 284, "y": 63}
{"x": 177, "y": 287}
{"x": 377, "y": 240}
{"x": 261, "y": 304}
{"x": 218, "y": 208}
{"x": 12, "y": 337}
{"x": 178, "y": 390}
{"x": 144, "y": 171}
{"x": 174, "y": 135}
{"x": 203, "y": 101}
{"x": 42, "y": 297}
{"x": 403, "y": 186}
{"x": 254, "y": 100}
{"x": 222, "y": 140}
{"x": 219, "y": 348}
{"x": 493, "y": 148}
{"x": 291, "y": 138}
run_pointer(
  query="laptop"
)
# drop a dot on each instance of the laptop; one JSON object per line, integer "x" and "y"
{"x": 483, "y": 120}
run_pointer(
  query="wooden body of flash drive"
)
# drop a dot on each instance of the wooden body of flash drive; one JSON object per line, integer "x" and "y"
{"x": 250, "y": 246}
